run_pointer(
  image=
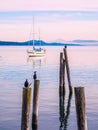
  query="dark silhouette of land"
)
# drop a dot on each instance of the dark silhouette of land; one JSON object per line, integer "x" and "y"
{"x": 36, "y": 43}
{"x": 43, "y": 43}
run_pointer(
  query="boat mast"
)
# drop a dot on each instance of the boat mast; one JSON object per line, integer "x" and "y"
{"x": 39, "y": 38}
{"x": 33, "y": 32}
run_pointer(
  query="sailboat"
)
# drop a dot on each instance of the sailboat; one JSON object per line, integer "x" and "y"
{"x": 36, "y": 52}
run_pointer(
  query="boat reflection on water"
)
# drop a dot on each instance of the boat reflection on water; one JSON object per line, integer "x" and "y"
{"x": 36, "y": 61}
{"x": 37, "y": 64}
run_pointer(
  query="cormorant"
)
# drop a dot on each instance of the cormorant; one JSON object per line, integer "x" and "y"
{"x": 26, "y": 84}
{"x": 34, "y": 76}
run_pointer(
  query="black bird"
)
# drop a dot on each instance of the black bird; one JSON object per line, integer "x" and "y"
{"x": 65, "y": 46}
{"x": 34, "y": 76}
{"x": 26, "y": 84}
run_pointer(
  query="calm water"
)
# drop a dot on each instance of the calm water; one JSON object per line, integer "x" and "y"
{"x": 15, "y": 67}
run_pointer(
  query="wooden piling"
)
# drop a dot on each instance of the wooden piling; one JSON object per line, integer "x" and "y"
{"x": 61, "y": 75}
{"x": 67, "y": 68}
{"x": 35, "y": 104}
{"x": 64, "y": 86}
{"x": 80, "y": 108}
{"x": 26, "y": 101}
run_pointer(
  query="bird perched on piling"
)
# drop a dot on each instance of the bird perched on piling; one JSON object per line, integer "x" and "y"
{"x": 35, "y": 75}
{"x": 65, "y": 46}
{"x": 26, "y": 84}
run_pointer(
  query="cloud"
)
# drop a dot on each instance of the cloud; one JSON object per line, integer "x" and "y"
{"x": 16, "y": 25}
{"x": 6, "y": 5}
{"x": 47, "y": 16}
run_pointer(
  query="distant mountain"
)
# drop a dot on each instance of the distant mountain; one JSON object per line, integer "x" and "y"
{"x": 74, "y": 41}
{"x": 9, "y": 43}
{"x": 78, "y": 42}
{"x": 86, "y": 41}
{"x": 59, "y": 42}
{"x": 36, "y": 43}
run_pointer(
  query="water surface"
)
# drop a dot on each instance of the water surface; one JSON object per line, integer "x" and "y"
{"x": 16, "y": 67}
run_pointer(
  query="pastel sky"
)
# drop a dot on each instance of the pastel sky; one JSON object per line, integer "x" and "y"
{"x": 48, "y": 4}
{"x": 57, "y": 19}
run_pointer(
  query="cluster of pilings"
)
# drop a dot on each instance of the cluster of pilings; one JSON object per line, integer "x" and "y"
{"x": 26, "y": 105}
{"x": 79, "y": 96}
{"x": 79, "y": 99}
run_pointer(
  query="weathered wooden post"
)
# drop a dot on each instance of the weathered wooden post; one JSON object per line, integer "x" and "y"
{"x": 26, "y": 101}
{"x": 62, "y": 90}
{"x": 80, "y": 108}
{"x": 67, "y": 69}
{"x": 61, "y": 75}
{"x": 35, "y": 104}
{"x": 64, "y": 86}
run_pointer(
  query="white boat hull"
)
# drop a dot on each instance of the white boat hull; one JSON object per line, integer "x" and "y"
{"x": 36, "y": 53}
